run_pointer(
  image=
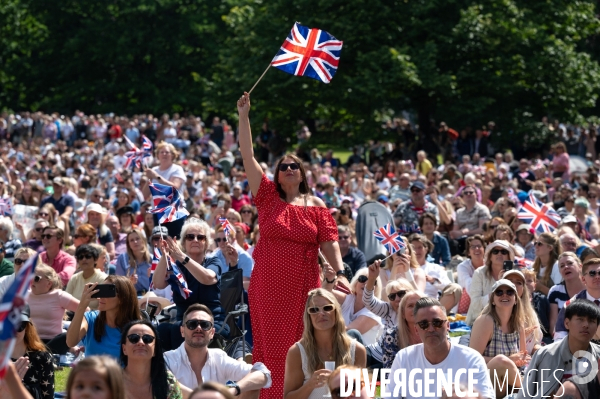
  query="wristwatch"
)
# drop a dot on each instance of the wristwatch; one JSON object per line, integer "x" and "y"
{"x": 340, "y": 273}
{"x": 233, "y": 384}
{"x": 186, "y": 260}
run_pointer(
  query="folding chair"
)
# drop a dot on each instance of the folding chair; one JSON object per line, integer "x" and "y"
{"x": 232, "y": 302}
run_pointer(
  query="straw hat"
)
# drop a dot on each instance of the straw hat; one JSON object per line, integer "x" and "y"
{"x": 155, "y": 299}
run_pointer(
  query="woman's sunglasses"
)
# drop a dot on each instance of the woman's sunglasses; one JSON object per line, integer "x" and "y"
{"x": 192, "y": 237}
{"x": 509, "y": 292}
{"x": 37, "y": 279}
{"x": 325, "y": 309}
{"x": 363, "y": 279}
{"x": 437, "y": 324}
{"x": 499, "y": 251}
{"x": 23, "y": 326}
{"x": 84, "y": 256}
{"x": 400, "y": 294}
{"x": 293, "y": 166}
{"x": 205, "y": 325}
{"x": 539, "y": 243}
{"x": 19, "y": 261}
{"x": 146, "y": 338}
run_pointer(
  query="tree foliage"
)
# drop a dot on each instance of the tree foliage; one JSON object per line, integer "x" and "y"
{"x": 462, "y": 61}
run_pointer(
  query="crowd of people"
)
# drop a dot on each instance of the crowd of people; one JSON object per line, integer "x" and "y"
{"x": 316, "y": 295}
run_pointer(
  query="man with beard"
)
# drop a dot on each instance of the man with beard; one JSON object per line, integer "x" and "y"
{"x": 193, "y": 363}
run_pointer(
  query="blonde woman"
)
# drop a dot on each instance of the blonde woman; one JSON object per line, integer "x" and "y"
{"x": 404, "y": 266}
{"x": 405, "y": 333}
{"x": 167, "y": 172}
{"x": 96, "y": 216}
{"x": 324, "y": 339}
{"x": 499, "y": 335}
{"x": 545, "y": 265}
{"x": 570, "y": 268}
{"x": 136, "y": 262}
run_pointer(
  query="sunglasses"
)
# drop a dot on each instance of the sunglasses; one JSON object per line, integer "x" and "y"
{"x": 47, "y": 236}
{"x": 509, "y": 292}
{"x": 362, "y": 279}
{"x": 499, "y": 251}
{"x": 205, "y": 325}
{"x": 293, "y": 166}
{"x": 23, "y": 326}
{"x": 42, "y": 214}
{"x": 218, "y": 240}
{"x": 437, "y": 324}
{"x": 146, "y": 338}
{"x": 19, "y": 261}
{"x": 85, "y": 256}
{"x": 246, "y": 211}
{"x": 37, "y": 279}
{"x": 344, "y": 237}
{"x": 469, "y": 192}
{"x": 39, "y": 229}
{"x": 539, "y": 243}
{"x": 192, "y": 237}
{"x": 593, "y": 273}
{"x": 324, "y": 309}
{"x": 400, "y": 294}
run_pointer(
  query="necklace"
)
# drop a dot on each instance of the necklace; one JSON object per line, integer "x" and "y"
{"x": 329, "y": 357}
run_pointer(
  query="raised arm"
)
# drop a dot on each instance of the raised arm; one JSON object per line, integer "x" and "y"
{"x": 253, "y": 170}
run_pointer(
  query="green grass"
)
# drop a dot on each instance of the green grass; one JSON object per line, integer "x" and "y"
{"x": 60, "y": 379}
{"x": 458, "y": 333}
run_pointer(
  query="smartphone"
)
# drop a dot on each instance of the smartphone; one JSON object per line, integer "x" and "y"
{"x": 105, "y": 291}
{"x": 220, "y": 204}
{"x": 152, "y": 308}
{"x": 508, "y": 265}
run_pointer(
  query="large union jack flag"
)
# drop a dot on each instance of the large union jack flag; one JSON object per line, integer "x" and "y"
{"x": 11, "y": 306}
{"x": 539, "y": 215}
{"x": 390, "y": 238}
{"x": 168, "y": 204}
{"x": 309, "y": 52}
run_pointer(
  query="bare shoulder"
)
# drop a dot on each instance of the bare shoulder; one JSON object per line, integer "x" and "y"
{"x": 293, "y": 353}
{"x": 316, "y": 201}
{"x": 484, "y": 322}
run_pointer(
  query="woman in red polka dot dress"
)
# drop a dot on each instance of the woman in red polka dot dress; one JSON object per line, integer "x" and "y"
{"x": 293, "y": 226}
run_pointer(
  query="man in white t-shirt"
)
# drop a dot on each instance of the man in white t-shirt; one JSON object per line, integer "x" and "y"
{"x": 422, "y": 363}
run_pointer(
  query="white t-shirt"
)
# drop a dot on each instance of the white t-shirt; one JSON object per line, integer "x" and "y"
{"x": 172, "y": 171}
{"x": 369, "y": 337}
{"x": 554, "y": 276}
{"x": 460, "y": 358}
{"x": 438, "y": 272}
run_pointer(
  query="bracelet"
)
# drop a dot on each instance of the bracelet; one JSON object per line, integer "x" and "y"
{"x": 330, "y": 282}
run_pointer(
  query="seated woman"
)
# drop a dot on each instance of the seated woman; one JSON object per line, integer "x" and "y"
{"x": 499, "y": 335}
{"x": 403, "y": 266}
{"x": 355, "y": 314}
{"x": 440, "y": 254}
{"x": 21, "y": 256}
{"x": 48, "y": 303}
{"x": 570, "y": 268}
{"x": 474, "y": 249}
{"x": 84, "y": 234}
{"x": 435, "y": 275}
{"x": 145, "y": 372}
{"x": 201, "y": 275}
{"x": 405, "y": 333}
{"x": 39, "y": 378}
{"x": 485, "y": 277}
{"x": 533, "y": 329}
{"x": 324, "y": 339}
{"x": 100, "y": 329}
{"x": 86, "y": 256}
{"x": 136, "y": 262}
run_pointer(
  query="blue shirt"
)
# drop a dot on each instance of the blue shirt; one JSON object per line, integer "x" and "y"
{"x": 245, "y": 261}
{"x": 110, "y": 343}
{"x": 60, "y": 204}
{"x": 441, "y": 250}
{"x": 124, "y": 269}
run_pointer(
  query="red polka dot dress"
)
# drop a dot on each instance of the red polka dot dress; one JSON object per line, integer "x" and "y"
{"x": 285, "y": 269}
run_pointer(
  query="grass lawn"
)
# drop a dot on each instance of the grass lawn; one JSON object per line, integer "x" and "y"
{"x": 60, "y": 379}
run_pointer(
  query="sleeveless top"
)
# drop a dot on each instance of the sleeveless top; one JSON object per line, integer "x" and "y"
{"x": 369, "y": 337}
{"x": 319, "y": 393}
{"x": 502, "y": 344}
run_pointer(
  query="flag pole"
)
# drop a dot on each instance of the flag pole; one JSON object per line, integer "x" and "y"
{"x": 261, "y": 76}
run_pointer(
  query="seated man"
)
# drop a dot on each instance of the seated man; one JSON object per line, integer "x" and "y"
{"x": 193, "y": 363}
{"x": 437, "y": 353}
{"x": 553, "y": 370}
{"x": 591, "y": 280}
{"x": 64, "y": 264}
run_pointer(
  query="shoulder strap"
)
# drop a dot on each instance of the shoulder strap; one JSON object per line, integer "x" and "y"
{"x": 352, "y": 349}
{"x": 304, "y": 361}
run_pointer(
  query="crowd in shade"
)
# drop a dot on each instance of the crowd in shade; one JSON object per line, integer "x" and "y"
{"x": 499, "y": 271}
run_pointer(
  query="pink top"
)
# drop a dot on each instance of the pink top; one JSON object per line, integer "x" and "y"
{"x": 562, "y": 160}
{"x": 47, "y": 311}
{"x": 64, "y": 264}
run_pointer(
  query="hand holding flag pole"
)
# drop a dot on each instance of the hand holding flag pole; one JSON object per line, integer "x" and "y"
{"x": 307, "y": 52}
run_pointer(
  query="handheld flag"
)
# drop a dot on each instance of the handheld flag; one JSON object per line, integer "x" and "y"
{"x": 176, "y": 276}
{"x": 227, "y": 227}
{"x": 6, "y": 208}
{"x": 135, "y": 156}
{"x": 539, "y": 215}
{"x": 11, "y": 306}
{"x": 309, "y": 52}
{"x": 168, "y": 204}
{"x": 390, "y": 238}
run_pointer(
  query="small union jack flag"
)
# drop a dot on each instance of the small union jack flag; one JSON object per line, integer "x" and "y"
{"x": 6, "y": 206}
{"x": 156, "y": 255}
{"x": 135, "y": 156}
{"x": 227, "y": 227}
{"x": 390, "y": 238}
{"x": 168, "y": 204}
{"x": 309, "y": 52}
{"x": 11, "y": 306}
{"x": 180, "y": 278}
{"x": 539, "y": 215}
